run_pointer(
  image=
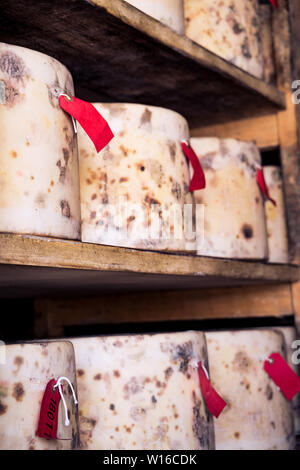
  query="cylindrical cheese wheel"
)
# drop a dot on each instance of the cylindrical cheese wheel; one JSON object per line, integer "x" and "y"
{"x": 257, "y": 415}
{"x": 229, "y": 28}
{"x": 275, "y": 216}
{"x": 292, "y": 348}
{"x": 24, "y": 373}
{"x": 234, "y": 219}
{"x": 169, "y": 12}
{"x": 265, "y": 17}
{"x": 39, "y": 179}
{"x": 134, "y": 191}
{"x": 142, "y": 392}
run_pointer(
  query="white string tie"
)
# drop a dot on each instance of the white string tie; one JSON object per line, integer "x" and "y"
{"x": 58, "y": 384}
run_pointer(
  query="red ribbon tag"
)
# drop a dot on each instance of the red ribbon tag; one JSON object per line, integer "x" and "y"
{"x": 48, "y": 421}
{"x": 198, "y": 179}
{"x": 274, "y": 3}
{"x": 90, "y": 120}
{"x": 282, "y": 374}
{"x": 215, "y": 404}
{"x": 263, "y": 185}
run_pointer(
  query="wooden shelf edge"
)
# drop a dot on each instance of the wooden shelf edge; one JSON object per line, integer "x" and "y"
{"x": 185, "y": 46}
{"x": 46, "y": 252}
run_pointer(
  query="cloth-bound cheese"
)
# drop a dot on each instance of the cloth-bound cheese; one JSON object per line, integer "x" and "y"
{"x": 257, "y": 415}
{"x": 39, "y": 178}
{"x": 234, "y": 219}
{"x": 135, "y": 192}
{"x": 142, "y": 392}
{"x": 25, "y": 370}
{"x": 229, "y": 28}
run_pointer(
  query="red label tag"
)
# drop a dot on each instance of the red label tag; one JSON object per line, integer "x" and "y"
{"x": 215, "y": 404}
{"x": 274, "y": 3}
{"x": 90, "y": 120}
{"x": 282, "y": 374}
{"x": 263, "y": 186}
{"x": 48, "y": 421}
{"x": 198, "y": 180}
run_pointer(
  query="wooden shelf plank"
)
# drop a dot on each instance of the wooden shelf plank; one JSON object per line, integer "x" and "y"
{"x": 117, "y": 53}
{"x": 33, "y": 266}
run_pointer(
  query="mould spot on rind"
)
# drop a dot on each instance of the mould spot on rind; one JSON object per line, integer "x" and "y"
{"x": 80, "y": 372}
{"x": 247, "y": 231}
{"x": 201, "y": 427}
{"x": 3, "y": 408}
{"x": 13, "y": 65}
{"x": 246, "y": 49}
{"x": 242, "y": 361}
{"x": 18, "y": 391}
{"x": 184, "y": 353}
{"x": 97, "y": 377}
{"x": 269, "y": 392}
{"x": 87, "y": 426}
{"x": 176, "y": 190}
{"x": 146, "y": 117}
{"x": 65, "y": 208}
{"x": 172, "y": 149}
{"x": 168, "y": 373}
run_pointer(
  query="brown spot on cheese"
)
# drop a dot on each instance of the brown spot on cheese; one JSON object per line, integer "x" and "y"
{"x": 18, "y": 361}
{"x": 97, "y": 377}
{"x": 146, "y": 117}
{"x": 176, "y": 190}
{"x": 245, "y": 49}
{"x": 242, "y": 361}
{"x": 123, "y": 179}
{"x": 273, "y": 424}
{"x": 237, "y": 435}
{"x": 51, "y": 183}
{"x": 13, "y": 154}
{"x": 86, "y": 430}
{"x": 168, "y": 373}
{"x": 269, "y": 392}
{"x": 153, "y": 399}
{"x": 150, "y": 200}
{"x": 257, "y": 200}
{"x": 124, "y": 150}
{"x": 88, "y": 181}
{"x": 40, "y": 200}
{"x": 3, "y": 408}
{"x": 94, "y": 196}
{"x": 93, "y": 215}
{"x": 184, "y": 353}
{"x": 18, "y": 391}
{"x": 247, "y": 231}
{"x": 65, "y": 208}
{"x": 13, "y": 65}
{"x": 131, "y": 387}
{"x": 112, "y": 407}
{"x": 172, "y": 149}
{"x": 117, "y": 373}
{"x": 80, "y": 372}
{"x": 32, "y": 177}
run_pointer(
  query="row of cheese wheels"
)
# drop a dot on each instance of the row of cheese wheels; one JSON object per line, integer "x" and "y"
{"x": 143, "y": 392}
{"x": 135, "y": 192}
{"x": 239, "y": 32}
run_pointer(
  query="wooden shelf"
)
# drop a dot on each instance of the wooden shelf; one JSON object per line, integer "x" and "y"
{"x": 117, "y": 53}
{"x": 34, "y": 266}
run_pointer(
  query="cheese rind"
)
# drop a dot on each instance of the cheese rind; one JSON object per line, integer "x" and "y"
{"x": 169, "y": 12}
{"x": 275, "y": 216}
{"x": 234, "y": 219}
{"x": 257, "y": 415}
{"x": 24, "y": 375}
{"x": 142, "y": 392}
{"x": 39, "y": 177}
{"x": 229, "y": 28}
{"x": 134, "y": 192}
